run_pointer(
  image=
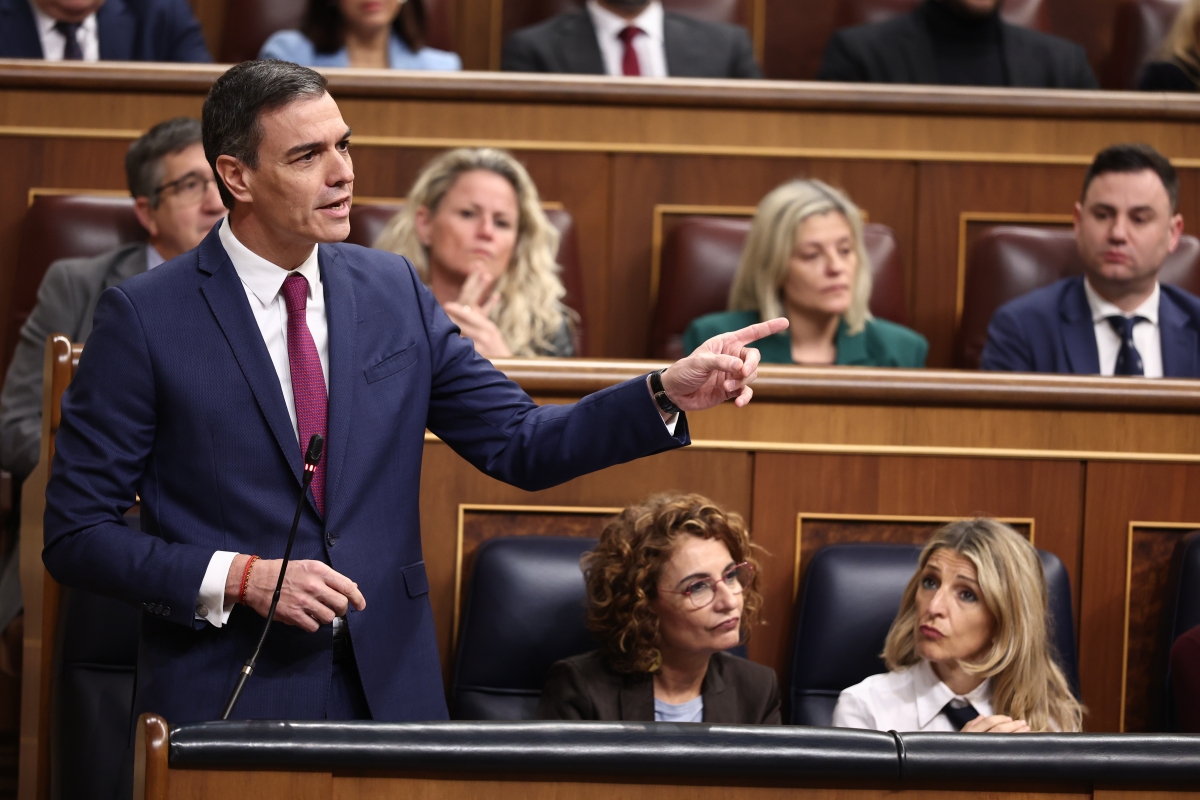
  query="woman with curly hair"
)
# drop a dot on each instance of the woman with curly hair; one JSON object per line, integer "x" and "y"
{"x": 670, "y": 588}
{"x": 474, "y": 228}
{"x": 970, "y": 648}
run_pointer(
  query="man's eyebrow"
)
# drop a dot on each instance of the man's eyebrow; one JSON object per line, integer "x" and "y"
{"x": 304, "y": 148}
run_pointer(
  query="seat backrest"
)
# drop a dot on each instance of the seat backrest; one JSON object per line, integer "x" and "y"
{"x": 524, "y": 610}
{"x": 700, "y": 257}
{"x": 249, "y": 23}
{"x": 1181, "y": 613}
{"x": 1007, "y": 261}
{"x": 851, "y": 595}
{"x": 1139, "y": 29}
{"x": 64, "y": 226}
{"x": 367, "y": 221}
{"x": 1026, "y": 13}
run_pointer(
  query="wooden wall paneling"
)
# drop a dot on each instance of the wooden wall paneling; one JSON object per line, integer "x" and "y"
{"x": 1119, "y": 494}
{"x": 1088, "y": 23}
{"x": 447, "y": 482}
{"x": 641, "y": 182}
{"x": 789, "y": 484}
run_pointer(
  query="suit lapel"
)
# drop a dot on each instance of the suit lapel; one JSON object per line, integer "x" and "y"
{"x": 720, "y": 700}
{"x": 342, "y": 315}
{"x": 578, "y": 46}
{"x": 18, "y": 30}
{"x": 227, "y": 299}
{"x": 637, "y": 699}
{"x": 682, "y": 56}
{"x": 1178, "y": 337}
{"x": 916, "y": 48}
{"x": 1079, "y": 332}
{"x": 116, "y": 28}
{"x": 1018, "y": 62}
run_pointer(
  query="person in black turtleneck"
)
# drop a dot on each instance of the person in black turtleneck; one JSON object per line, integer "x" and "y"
{"x": 955, "y": 43}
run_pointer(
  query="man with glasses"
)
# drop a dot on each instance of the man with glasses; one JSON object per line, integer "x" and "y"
{"x": 176, "y": 201}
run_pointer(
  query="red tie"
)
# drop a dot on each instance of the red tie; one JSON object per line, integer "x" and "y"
{"x": 629, "y": 60}
{"x": 308, "y": 381}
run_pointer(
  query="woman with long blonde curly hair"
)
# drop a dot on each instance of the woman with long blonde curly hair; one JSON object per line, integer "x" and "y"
{"x": 474, "y": 228}
{"x": 670, "y": 588}
{"x": 971, "y": 647}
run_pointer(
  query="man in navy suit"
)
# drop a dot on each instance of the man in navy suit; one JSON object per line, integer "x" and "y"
{"x": 101, "y": 30}
{"x": 203, "y": 379}
{"x": 1116, "y": 318}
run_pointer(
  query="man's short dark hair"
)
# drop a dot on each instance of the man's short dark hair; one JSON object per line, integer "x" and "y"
{"x": 143, "y": 161}
{"x": 237, "y": 101}
{"x": 1134, "y": 158}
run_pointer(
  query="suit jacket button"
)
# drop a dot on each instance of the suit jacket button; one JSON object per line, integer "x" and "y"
{"x": 330, "y": 541}
{"x": 166, "y": 611}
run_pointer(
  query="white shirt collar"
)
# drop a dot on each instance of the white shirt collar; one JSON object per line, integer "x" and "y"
{"x": 153, "y": 257}
{"x": 933, "y": 694}
{"x": 262, "y": 278}
{"x": 1102, "y": 309}
{"x": 609, "y": 25}
{"x": 46, "y": 23}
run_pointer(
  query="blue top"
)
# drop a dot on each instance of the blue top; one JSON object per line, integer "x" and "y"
{"x": 294, "y": 46}
{"x": 691, "y": 711}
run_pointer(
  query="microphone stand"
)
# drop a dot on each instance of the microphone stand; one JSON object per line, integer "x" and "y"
{"x": 311, "y": 458}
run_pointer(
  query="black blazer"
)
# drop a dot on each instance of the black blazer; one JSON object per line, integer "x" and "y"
{"x": 129, "y": 30}
{"x": 900, "y": 50}
{"x": 583, "y": 687}
{"x": 695, "y": 48}
{"x": 1169, "y": 76}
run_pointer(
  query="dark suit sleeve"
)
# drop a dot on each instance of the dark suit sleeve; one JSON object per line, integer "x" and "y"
{"x": 565, "y": 695}
{"x": 744, "y": 65}
{"x": 1007, "y": 349}
{"x": 1082, "y": 75}
{"x": 184, "y": 40}
{"x": 840, "y": 63}
{"x": 519, "y": 55}
{"x": 109, "y": 418}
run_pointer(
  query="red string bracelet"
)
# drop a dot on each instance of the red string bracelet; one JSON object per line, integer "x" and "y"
{"x": 246, "y": 578}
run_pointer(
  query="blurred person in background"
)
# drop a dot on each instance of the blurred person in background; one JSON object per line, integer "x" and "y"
{"x": 101, "y": 30}
{"x": 1177, "y": 66}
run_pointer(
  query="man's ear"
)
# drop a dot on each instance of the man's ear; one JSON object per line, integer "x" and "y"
{"x": 1077, "y": 216}
{"x": 145, "y": 215}
{"x": 236, "y": 176}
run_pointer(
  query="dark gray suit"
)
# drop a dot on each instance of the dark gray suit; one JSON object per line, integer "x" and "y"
{"x": 901, "y": 50}
{"x": 65, "y": 302}
{"x": 694, "y": 48}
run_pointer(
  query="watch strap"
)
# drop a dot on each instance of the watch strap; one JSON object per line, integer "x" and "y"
{"x": 660, "y": 394}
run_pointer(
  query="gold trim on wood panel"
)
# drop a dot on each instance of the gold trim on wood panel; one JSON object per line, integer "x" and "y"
{"x": 967, "y": 217}
{"x": 1134, "y": 524}
{"x": 46, "y": 191}
{"x": 463, "y": 508}
{"x": 802, "y": 516}
{"x": 661, "y": 210}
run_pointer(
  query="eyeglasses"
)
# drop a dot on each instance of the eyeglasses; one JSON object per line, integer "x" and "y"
{"x": 703, "y": 591}
{"x": 190, "y": 189}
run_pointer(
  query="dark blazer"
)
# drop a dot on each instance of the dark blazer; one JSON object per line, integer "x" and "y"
{"x": 900, "y": 50}
{"x": 583, "y": 687}
{"x": 129, "y": 30}
{"x": 695, "y": 48}
{"x": 176, "y": 400}
{"x": 1051, "y": 330}
{"x": 1169, "y": 76}
{"x": 65, "y": 303}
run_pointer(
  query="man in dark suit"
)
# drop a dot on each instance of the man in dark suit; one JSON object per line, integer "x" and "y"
{"x": 204, "y": 379}
{"x": 955, "y": 43}
{"x": 634, "y": 38}
{"x": 101, "y": 30}
{"x": 1116, "y": 318}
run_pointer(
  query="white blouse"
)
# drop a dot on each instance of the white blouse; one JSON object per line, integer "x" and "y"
{"x": 906, "y": 700}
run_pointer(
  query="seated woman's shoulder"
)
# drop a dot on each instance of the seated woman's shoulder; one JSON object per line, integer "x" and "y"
{"x": 896, "y": 345}
{"x": 1165, "y": 76}
{"x": 288, "y": 45}
{"x": 857, "y": 705}
{"x": 704, "y": 328}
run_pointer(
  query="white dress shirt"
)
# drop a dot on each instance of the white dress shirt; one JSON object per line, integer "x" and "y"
{"x": 906, "y": 701}
{"x": 651, "y": 52}
{"x": 1146, "y": 336}
{"x": 53, "y": 42}
{"x": 153, "y": 257}
{"x": 262, "y": 281}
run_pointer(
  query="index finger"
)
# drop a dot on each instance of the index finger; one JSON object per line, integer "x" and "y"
{"x": 340, "y": 583}
{"x": 760, "y": 330}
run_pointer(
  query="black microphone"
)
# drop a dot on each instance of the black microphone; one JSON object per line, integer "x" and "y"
{"x": 316, "y": 445}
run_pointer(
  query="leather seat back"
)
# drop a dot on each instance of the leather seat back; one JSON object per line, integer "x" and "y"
{"x": 1139, "y": 29}
{"x": 1181, "y": 610}
{"x": 1007, "y": 261}
{"x": 850, "y": 598}
{"x": 700, "y": 257}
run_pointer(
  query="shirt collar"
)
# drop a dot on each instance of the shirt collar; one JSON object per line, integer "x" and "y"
{"x": 609, "y": 25}
{"x": 933, "y": 694}
{"x": 1102, "y": 309}
{"x": 263, "y": 278}
{"x": 46, "y": 23}
{"x": 153, "y": 257}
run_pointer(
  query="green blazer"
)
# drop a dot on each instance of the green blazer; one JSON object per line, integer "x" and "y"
{"x": 880, "y": 344}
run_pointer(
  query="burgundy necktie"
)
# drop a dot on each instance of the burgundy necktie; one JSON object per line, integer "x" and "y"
{"x": 70, "y": 33}
{"x": 629, "y": 61}
{"x": 308, "y": 381}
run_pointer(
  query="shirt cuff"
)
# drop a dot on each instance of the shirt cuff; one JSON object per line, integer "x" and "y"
{"x": 210, "y": 603}
{"x": 671, "y": 423}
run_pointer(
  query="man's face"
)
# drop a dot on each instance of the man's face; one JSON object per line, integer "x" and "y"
{"x": 1125, "y": 229}
{"x": 68, "y": 10}
{"x": 979, "y": 8}
{"x": 188, "y": 203}
{"x": 301, "y": 189}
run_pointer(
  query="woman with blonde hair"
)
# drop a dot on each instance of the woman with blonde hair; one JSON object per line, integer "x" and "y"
{"x": 670, "y": 588}
{"x": 970, "y": 648}
{"x": 474, "y": 228}
{"x": 1177, "y": 68}
{"x": 805, "y": 259}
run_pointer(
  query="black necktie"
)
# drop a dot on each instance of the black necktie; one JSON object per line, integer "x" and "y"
{"x": 959, "y": 716}
{"x": 71, "y": 49}
{"x": 1129, "y": 360}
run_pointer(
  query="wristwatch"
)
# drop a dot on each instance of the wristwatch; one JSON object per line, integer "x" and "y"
{"x": 660, "y": 394}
